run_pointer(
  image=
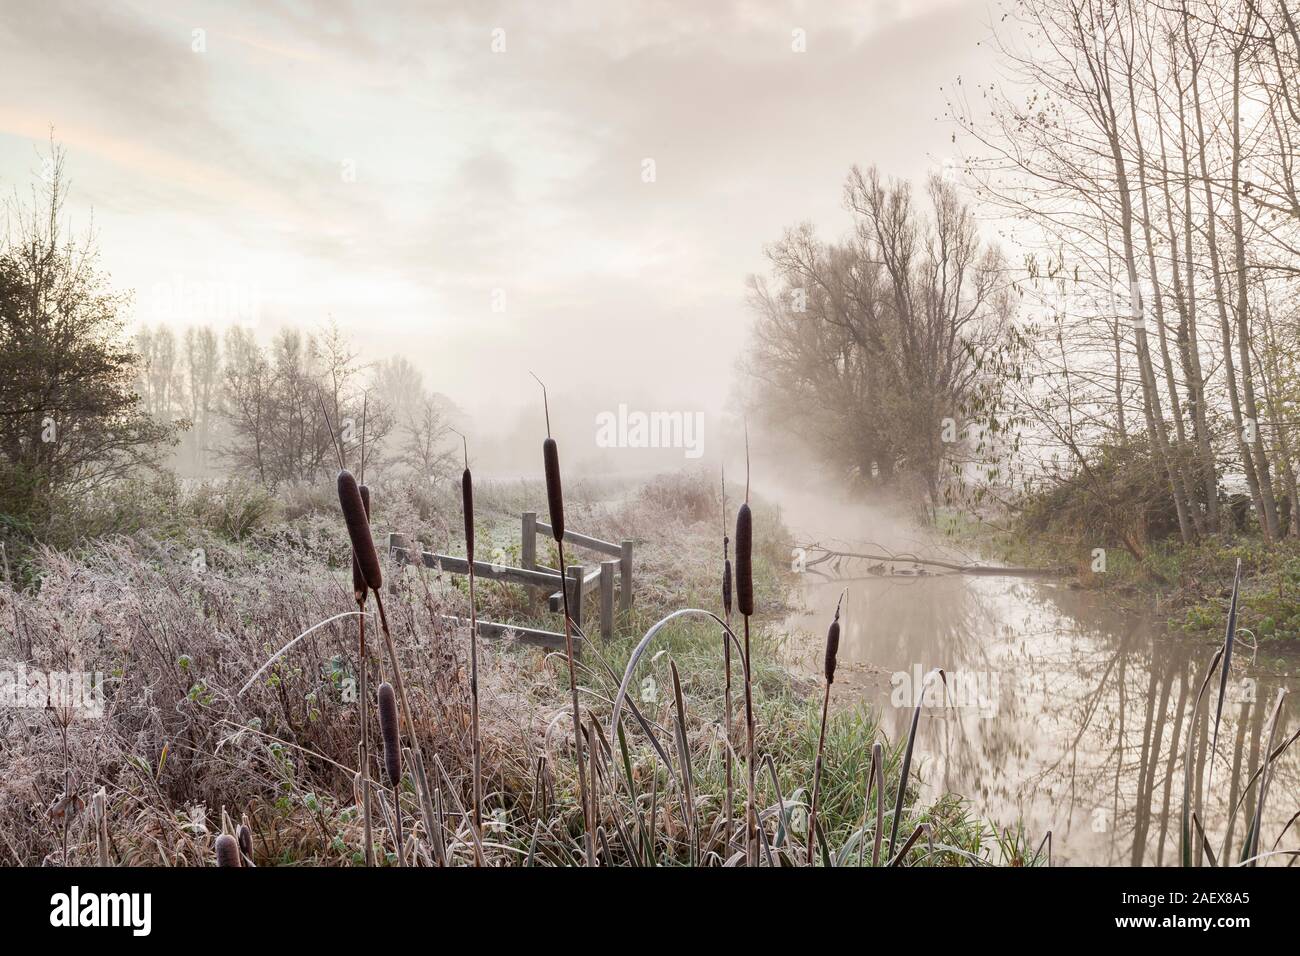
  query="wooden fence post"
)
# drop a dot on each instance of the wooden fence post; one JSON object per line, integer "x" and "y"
{"x": 396, "y": 540}
{"x": 625, "y": 577}
{"x": 528, "y": 552}
{"x": 574, "y": 584}
{"x": 607, "y": 599}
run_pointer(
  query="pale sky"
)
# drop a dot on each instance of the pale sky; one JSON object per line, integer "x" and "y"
{"x": 219, "y": 177}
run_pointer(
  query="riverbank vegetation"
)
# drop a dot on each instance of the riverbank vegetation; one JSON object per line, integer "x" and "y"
{"x": 180, "y": 614}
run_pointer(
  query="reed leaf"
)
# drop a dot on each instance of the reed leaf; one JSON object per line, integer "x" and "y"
{"x": 684, "y": 762}
{"x": 1189, "y": 760}
{"x": 907, "y": 754}
{"x": 1250, "y": 850}
{"x": 1229, "y": 635}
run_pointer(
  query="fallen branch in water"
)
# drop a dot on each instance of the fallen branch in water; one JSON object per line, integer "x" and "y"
{"x": 828, "y": 554}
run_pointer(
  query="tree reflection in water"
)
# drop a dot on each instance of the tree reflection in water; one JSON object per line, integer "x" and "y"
{"x": 1088, "y": 717}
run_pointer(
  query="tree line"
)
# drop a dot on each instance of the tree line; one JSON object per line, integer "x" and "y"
{"x": 1131, "y": 353}
{"x": 83, "y": 403}
{"x": 274, "y": 410}
{"x": 1146, "y": 154}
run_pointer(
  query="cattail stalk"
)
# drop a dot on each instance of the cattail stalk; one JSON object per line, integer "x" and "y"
{"x": 375, "y": 581}
{"x": 729, "y": 802}
{"x": 356, "y": 515}
{"x": 388, "y": 730}
{"x": 555, "y": 502}
{"x": 568, "y": 653}
{"x": 363, "y": 668}
{"x": 745, "y": 599}
{"x": 467, "y": 505}
{"x": 832, "y": 650}
{"x": 359, "y": 591}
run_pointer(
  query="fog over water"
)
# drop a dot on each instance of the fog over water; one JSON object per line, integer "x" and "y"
{"x": 1065, "y": 712}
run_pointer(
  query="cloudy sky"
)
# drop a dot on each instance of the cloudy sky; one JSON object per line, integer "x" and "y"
{"x": 466, "y": 183}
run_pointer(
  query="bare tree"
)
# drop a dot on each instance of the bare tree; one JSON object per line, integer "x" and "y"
{"x": 1145, "y": 150}
{"x": 203, "y": 369}
{"x": 277, "y": 399}
{"x": 883, "y": 349}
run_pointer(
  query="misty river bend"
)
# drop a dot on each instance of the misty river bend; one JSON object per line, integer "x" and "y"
{"x": 1064, "y": 712}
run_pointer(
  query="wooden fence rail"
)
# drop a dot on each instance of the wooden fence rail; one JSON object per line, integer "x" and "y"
{"x": 623, "y": 551}
{"x": 580, "y": 582}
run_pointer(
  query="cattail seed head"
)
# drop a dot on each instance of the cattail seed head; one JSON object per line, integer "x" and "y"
{"x": 554, "y": 494}
{"x": 359, "y": 589}
{"x": 388, "y": 731}
{"x": 726, "y": 586}
{"x": 245, "y": 838}
{"x": 356, "y": 516}
{"x": 832, "y": 648}
{"x": 227, "y": 851}
{"x": 744, "y": 560}
{"x": 467, "y": 504}
{"x": 833, "y": 640}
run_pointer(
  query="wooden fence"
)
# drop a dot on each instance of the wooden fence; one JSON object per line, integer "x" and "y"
{"x": 580, "y": 580}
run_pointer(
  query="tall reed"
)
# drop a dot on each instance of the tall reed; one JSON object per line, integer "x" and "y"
{"x": 363, "y": 547}
{"x": 1189, "y": 858}
{"x": 906, "y": 770}
{"x": 1229, "y": 634}
{"x": 832, "y": 650}
{"x": 728, "y": 799}
{"x": 467, "y": 506}
{"x": 360, "y": 586}
{"x": 555, "y": 502}
{"x": 1250, "y": 851}
{"x": 359, "y": 590}
{"x": 745, "y": 600}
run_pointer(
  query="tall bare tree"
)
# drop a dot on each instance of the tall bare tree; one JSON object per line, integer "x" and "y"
{"x": 884, "y": 349}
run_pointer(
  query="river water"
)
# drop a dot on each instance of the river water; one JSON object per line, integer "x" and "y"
{"x": 1064, "y": 712}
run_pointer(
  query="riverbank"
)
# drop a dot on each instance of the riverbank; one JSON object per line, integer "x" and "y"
{"x": 179, "y": 614}
{"x": 1188, "y": 587}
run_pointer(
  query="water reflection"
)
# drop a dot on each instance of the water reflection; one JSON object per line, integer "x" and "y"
{"x": 1067, "y": 713}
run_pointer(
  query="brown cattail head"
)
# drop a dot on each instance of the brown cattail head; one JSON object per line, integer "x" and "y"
{"x": 227, "y": 851}
{"x": 554, "y": 494}
{"x": 833, "y": 641}
{"x": 726, "y": 586}
{"x": 467, "y": 504}
{"x": 744, "y": 562}
{"x": 245, "y": 838}
{"x": 359, "y": 579}
{"x": 356, "y": 517}
{"x": 832, "y": 648}
{"x": 388, "y": 731}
